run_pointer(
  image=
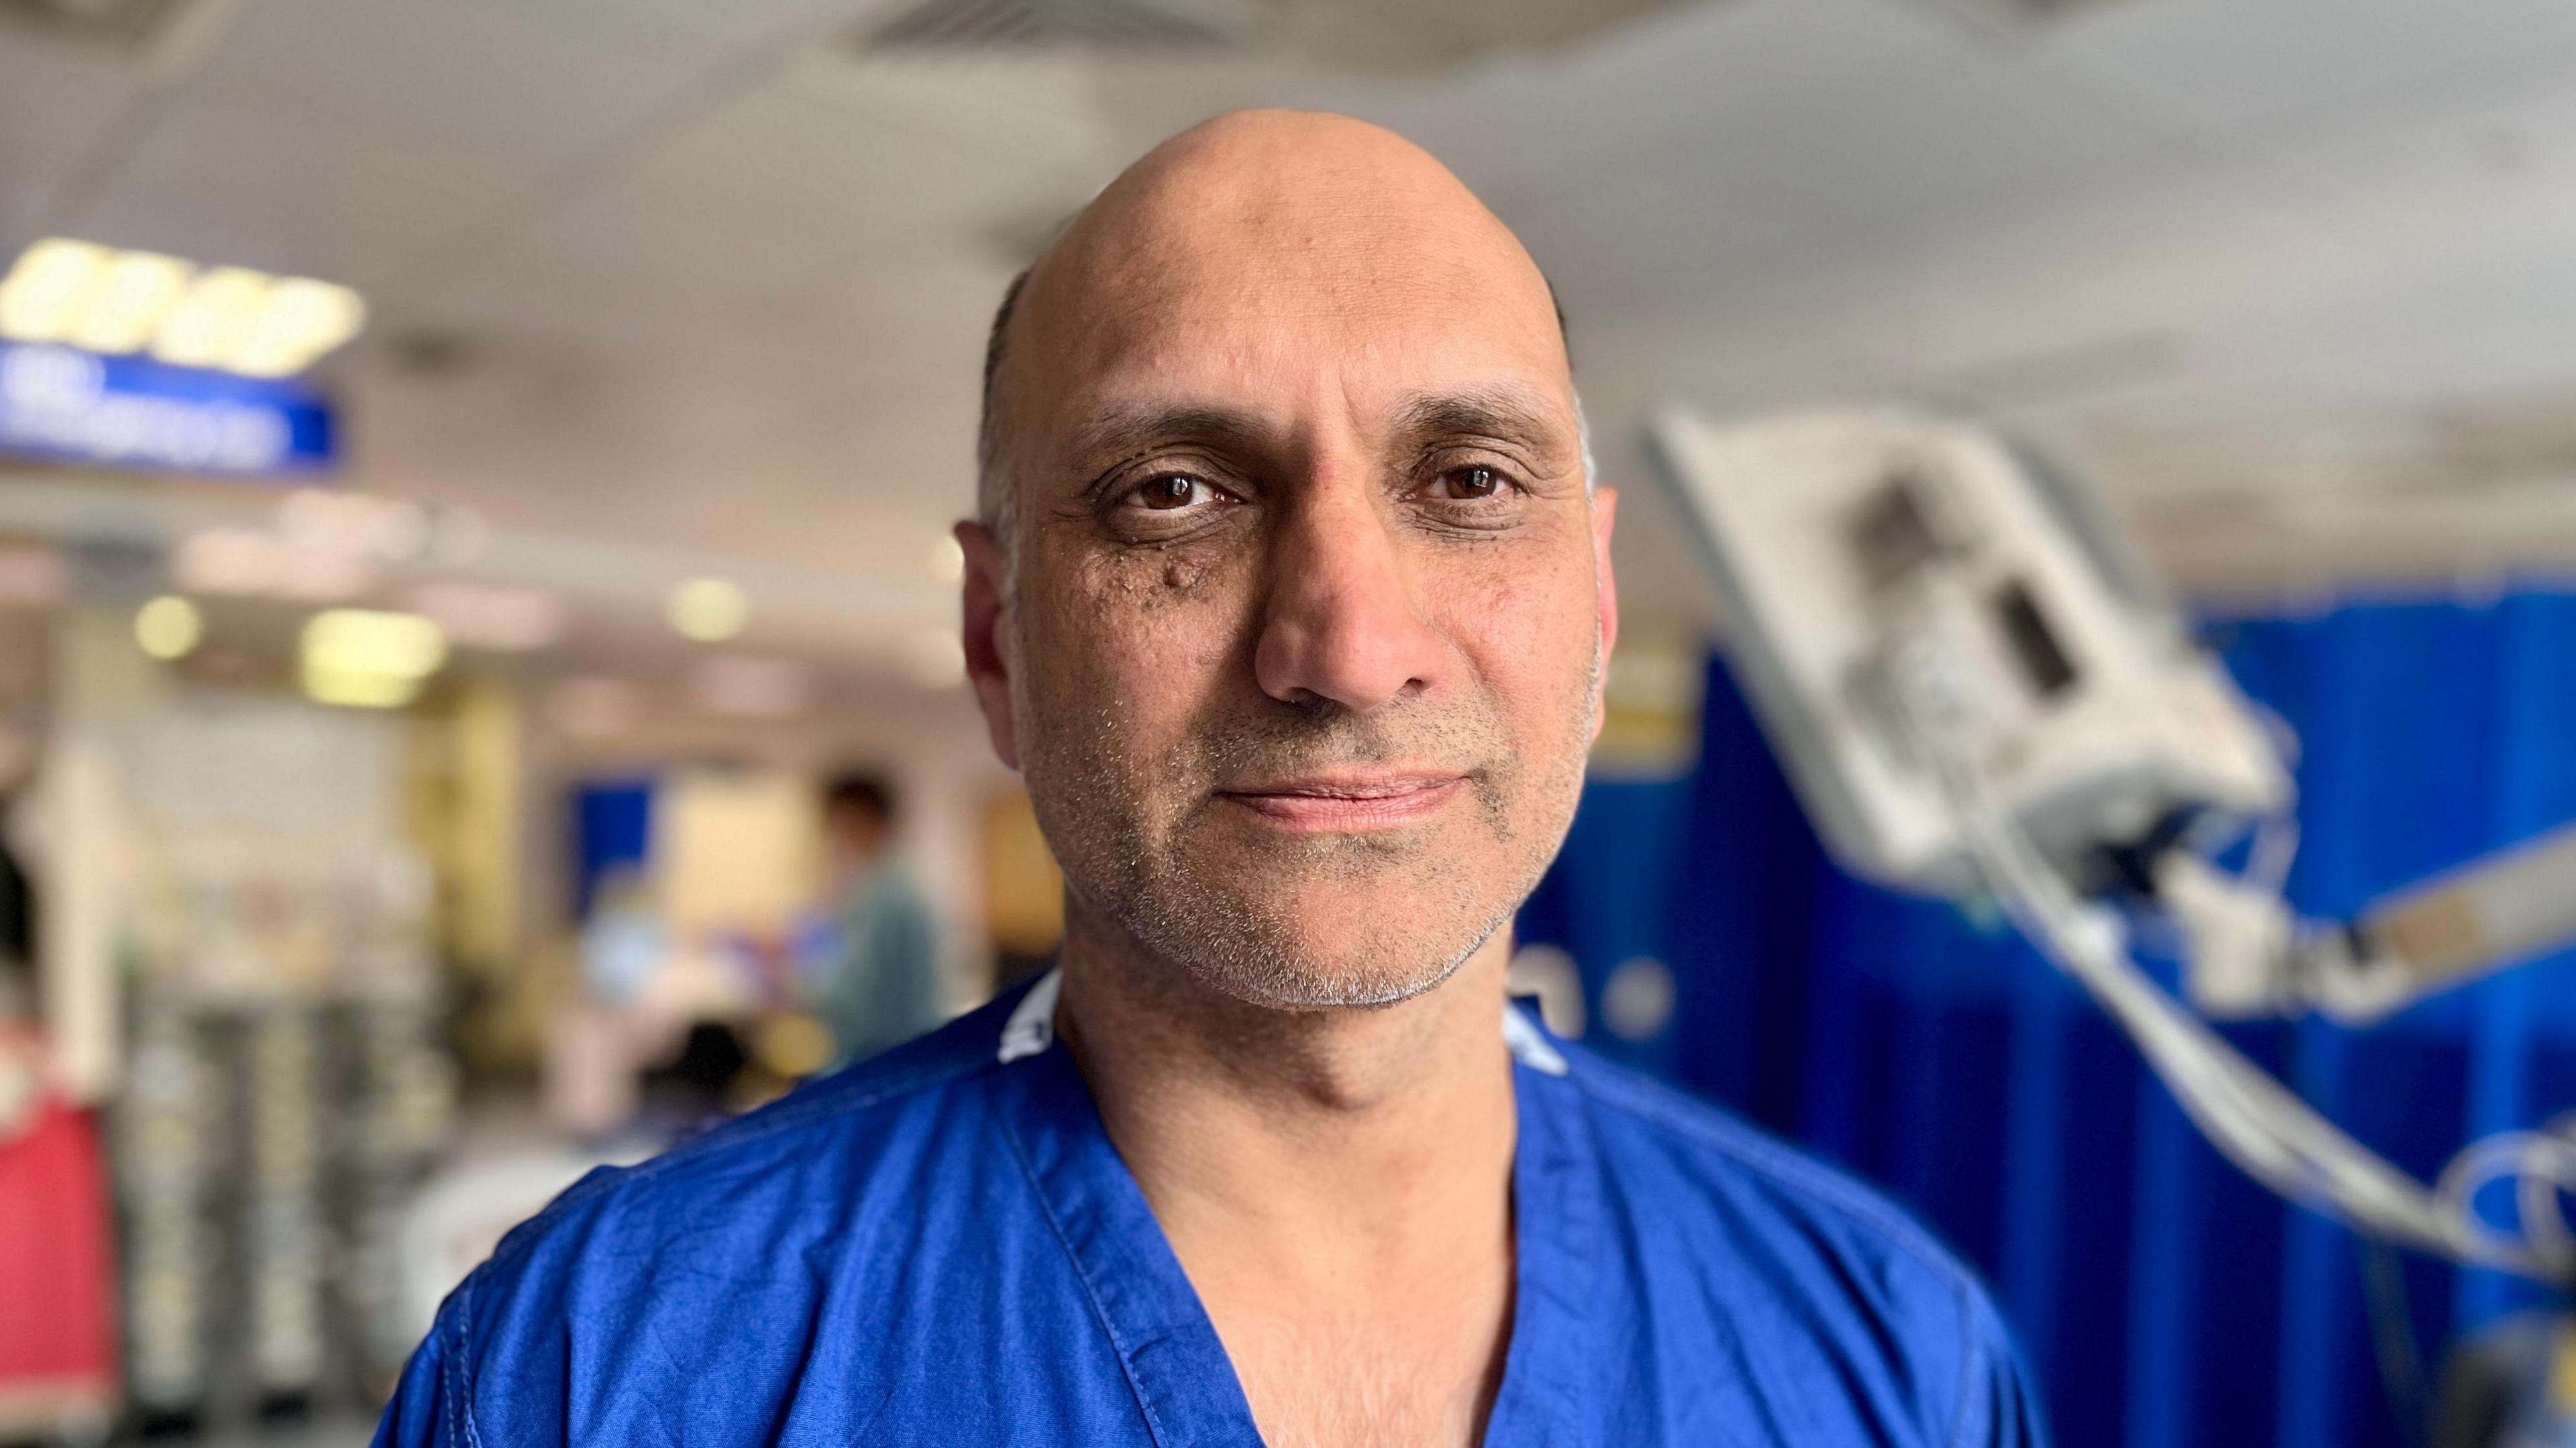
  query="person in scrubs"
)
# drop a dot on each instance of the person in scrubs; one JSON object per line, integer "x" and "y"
{"x": 1289, "y": 597}
{"x": 880, "y": 982}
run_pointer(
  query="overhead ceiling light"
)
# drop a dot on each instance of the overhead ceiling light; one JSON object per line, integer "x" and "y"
{"x": 230, "y": 318}
{"x": 371, "y": 641}
{"x": 169, "y": 627}
{"x": 368, "y": 658}
{"x": 210, "y": 323}
{"x": 302, "y": 320}
{"x": 709, "y": 610}
{"x": 127, "y": 301}
{"x": 41, "y": 297}
{"x": 359, "y": 691}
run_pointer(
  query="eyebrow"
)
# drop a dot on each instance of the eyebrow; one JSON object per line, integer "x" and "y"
{"x": 1122, "y": 429}
{"x": 1506, "y": 414}
{"x": 1512, "y": 415}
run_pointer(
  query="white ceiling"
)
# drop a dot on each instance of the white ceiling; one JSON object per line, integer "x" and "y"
{"x": 2293, "y": 280}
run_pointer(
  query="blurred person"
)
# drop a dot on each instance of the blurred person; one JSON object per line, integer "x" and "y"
{"x": 58, "y": 1344}
{"x": 1290, "y": 598}
{"x": 879, "y": 983}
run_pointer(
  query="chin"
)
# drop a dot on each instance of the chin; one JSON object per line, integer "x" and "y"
{"x": 1294, "y": 981}
{"x": 1327, "y": 947}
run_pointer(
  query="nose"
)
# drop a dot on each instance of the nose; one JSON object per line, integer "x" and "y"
{"x": 1342, "y": 620}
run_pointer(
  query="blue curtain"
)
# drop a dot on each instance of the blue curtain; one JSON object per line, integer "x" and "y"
{"x": 612, "y": 827}
{"x": 2163, "y": 1300}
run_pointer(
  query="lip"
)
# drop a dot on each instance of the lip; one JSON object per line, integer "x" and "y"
{"x": 1344, "y": 804}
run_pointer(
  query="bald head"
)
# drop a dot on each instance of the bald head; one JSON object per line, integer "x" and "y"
{"x": 1293, "y": 593}
{"x": 1298, "y": 211}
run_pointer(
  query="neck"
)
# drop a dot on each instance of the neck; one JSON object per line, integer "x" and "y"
{"x": 1335, "y": 1183}
{"x": 1329, "y": 1129}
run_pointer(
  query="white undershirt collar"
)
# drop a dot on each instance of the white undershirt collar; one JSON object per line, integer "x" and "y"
{"x": 1031, "y": 1029}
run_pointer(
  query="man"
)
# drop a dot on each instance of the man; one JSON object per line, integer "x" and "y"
{"x": 1290, "y": 602}
{"x": 880, "y": 983}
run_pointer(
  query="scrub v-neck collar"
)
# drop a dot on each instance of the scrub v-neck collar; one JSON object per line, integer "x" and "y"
{"x": 1183, "y": 1380}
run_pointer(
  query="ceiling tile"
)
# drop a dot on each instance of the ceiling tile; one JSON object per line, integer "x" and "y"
{"x": 57, "y": 100}
{"x": 437, "y": 72}
{"x": 2237, "y": 64}
{"x": 222, "y": 182}
{"x": 695, "y": 24}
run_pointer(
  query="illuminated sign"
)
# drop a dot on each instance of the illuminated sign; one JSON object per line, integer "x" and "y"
{"x": 67, "y": 405}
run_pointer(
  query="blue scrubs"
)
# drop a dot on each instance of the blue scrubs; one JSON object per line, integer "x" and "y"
{"x": 941, "y": 1246}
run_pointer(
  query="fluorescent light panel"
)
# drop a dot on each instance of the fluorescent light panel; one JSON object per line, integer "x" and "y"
{"x": 708, "y": 610}
{"x": 369, "y": 659}
{"x": 230, "y": 318}
{"x": 368, "y": 641}
{"x": 356, "y": 690}
{"x": 169, "y": 627}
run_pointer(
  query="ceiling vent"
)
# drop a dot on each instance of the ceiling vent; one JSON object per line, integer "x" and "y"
{"x": 1365, "y": 36}
{"x": 1126, "y": 26}
{"x": 2043, "y": 12}
{"x": 126, "y": 23}
{"x": 2503, "y": 439}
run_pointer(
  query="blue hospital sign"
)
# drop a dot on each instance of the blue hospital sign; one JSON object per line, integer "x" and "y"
{"x": 66, "y": 405}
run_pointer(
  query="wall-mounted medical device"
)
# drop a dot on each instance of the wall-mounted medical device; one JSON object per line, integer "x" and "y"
{"x": 1834, "y": 536}
{"x": 1977, "y": 691}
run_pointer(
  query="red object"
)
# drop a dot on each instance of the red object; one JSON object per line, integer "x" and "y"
{"x": 57, "y": 1259}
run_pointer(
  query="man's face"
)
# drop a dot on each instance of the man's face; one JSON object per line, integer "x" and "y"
{"x": 1303, "y": 655}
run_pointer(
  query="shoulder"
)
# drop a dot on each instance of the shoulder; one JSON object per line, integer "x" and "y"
{"x": 1842, "y": 1281}
{"x": 805, "y": 1207}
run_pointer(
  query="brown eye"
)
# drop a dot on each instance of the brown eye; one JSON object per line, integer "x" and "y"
{"x": 1470, "y": 483}
{"x": 1171, "y": 490}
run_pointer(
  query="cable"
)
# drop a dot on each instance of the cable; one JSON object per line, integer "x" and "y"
{"x": 2251, "y": 1118}
{"x": 2541, "y": 1165}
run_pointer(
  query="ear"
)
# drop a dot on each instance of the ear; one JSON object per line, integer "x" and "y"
{"x": 987, "y": 635}
{"x": 1605, "y": 513}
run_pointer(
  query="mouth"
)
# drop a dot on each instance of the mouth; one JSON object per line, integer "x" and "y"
{"x": 1347, "y": 803}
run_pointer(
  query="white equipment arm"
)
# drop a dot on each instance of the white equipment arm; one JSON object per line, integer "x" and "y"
{"x": 1975, "y": 691}
{"x": 2481, "y": 917}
